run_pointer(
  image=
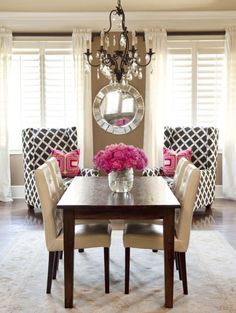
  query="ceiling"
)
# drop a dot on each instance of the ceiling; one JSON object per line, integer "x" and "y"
{"x": 65, "y": 15}
{"x": 107, "y": 5}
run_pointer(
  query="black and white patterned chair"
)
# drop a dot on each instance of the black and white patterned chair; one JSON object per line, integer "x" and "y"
{"x": 204, "y": 144}
{"x": 37, "y": 146}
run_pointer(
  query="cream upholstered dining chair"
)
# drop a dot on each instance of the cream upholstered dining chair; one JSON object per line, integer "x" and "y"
{"x": 150, "y": 236}
{"x": 56, "y": 175}
{"x": 60, "y": 189}
{"x": 182, "y": 164}
{"x": 86, "y": 236}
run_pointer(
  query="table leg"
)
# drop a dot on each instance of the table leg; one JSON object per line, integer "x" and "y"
{"x": 69, "y": 234}
{"x": 169, "y": 256}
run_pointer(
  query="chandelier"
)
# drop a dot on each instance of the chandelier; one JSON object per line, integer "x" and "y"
{"x": 124, "y": 63}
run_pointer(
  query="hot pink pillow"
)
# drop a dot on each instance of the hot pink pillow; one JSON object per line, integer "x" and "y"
{"x": 68, "y": 162}
{"x": 171, "y": 159}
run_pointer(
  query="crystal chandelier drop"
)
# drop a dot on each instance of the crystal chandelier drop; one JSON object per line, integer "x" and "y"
{"x": 124, "y": 63}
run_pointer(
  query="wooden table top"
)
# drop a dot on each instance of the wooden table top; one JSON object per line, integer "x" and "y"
{"x": 147, "y": 194}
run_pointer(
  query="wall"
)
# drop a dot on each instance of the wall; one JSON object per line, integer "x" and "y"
{"x": 102, "y": 138}
{"x": 17, "y": 173}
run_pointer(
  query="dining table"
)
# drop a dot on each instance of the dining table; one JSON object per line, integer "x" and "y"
{"x": 90, "y": 198}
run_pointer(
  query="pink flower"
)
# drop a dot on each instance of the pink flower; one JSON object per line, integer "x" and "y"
{"x": 118, "y": 157}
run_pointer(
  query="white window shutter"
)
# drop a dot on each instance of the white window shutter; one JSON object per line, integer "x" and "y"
{"x": 41, "y": 89}
{"x": 24, "y": 109}
{"x": 210, "y": 87}
{"x": 180, "y": 88}
{"x": 59, "y": 90}
{"x": 196, "y": 84}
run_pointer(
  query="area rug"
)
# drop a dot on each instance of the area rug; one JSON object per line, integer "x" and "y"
{"x": 211, "y": 265}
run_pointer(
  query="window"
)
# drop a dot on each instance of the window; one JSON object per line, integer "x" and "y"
{"x": 41, "y": 89}
{"x": 196, "y": 90}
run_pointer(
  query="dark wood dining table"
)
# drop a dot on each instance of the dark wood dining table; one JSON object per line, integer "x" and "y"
{"x": 91, "y": 198}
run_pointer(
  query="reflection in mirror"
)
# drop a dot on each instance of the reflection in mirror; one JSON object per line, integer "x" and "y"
{"x": 118, "y": 109}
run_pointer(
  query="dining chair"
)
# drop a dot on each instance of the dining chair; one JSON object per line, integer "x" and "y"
{"x": 203, "y": 142}
{"x": 150, "y": 236}
{"x": 56, "y": 175}
{"x": 60, "y": 188}
{"x": 37, "y": 145}
{"x": 180, "y": 168}
{"x": 183, "y": 162}
{"x": 86, "y": 236}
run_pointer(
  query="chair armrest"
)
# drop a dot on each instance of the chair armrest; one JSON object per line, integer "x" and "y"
{"x": 89, "y": 172}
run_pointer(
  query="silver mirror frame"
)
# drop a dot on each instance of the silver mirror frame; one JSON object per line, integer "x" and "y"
{"x": 118, "y": 130}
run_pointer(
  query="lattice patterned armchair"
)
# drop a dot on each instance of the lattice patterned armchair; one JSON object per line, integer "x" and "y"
{"x": 204, "y": 144}
{"x": 37, "y": 146}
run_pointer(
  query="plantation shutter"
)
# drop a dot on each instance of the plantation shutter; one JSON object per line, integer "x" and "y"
{"x": 210, "y": 86}
{"x": 59, "y": 89}
{"x": 24, "y": 106}
{"x": 41, "y": 88}
{"x": 180, "y": 87}
{"x": 196, "y": 84}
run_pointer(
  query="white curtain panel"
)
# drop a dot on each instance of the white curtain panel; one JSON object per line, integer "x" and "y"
{"x": 81, "y": 42}
{"x": 229, "y": 153}
{"x": 5, "y": 62}
{"x": 155, "y": 97}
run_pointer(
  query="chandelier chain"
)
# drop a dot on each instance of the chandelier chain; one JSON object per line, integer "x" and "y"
{"x": 124, "y": 63}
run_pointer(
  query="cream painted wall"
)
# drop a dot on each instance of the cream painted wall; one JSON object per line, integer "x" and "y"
{"x": 17, "y": 172}
{"x": 102, "y": 138}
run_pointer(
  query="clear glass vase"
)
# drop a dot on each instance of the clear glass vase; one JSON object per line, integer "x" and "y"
{"x": 121, "y": 181}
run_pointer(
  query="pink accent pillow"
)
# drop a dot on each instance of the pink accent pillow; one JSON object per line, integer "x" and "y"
{"x": 171, "y": 159}
{"x": 68, "y": 162}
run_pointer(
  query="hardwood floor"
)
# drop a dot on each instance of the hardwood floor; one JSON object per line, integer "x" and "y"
{"x": 15, "y": 218}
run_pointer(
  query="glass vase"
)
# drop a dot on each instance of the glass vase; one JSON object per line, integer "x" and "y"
{"x": 121, "y": 181}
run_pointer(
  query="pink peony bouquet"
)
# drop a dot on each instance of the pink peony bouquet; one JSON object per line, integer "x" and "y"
{"x": 118, "y": 157}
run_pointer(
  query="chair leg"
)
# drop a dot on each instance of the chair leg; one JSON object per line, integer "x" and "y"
{"x": 51, "y": 261}
{"x": 30, "y": 208}
{"x": 81, "y": 250}
{"x": 182, "y": 260}
{"x": 61, "y": 255}
{"x": 107, "y": 269}
{"x": 56, "y": 263}
{"x": 178, "y": 263}
{"x": 208, "y": 208}
{"x": 127, "y": 269}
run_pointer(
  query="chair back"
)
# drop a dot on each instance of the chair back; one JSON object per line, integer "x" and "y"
{"x": 186, "y": 195}
{"x": 56, "y": 175}
{"x": 202, "y": 140}
{"x": 183, "y": 162}
{"x": 48, "y": 200}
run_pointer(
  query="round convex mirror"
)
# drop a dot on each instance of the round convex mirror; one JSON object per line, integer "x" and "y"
{"x": 118, "y": 109}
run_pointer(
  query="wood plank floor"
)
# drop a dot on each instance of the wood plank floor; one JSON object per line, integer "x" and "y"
{"x": 15, "y": 217}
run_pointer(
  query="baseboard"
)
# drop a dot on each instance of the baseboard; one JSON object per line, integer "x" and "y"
{"x": 18, "y": 192}
{"x": 219, "y": 191}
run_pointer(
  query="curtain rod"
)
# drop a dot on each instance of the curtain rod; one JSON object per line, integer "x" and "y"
{"x": 96, "y": 34}
{"x": 196, "y": 33}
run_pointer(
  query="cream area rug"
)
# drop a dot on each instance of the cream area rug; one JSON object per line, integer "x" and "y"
{"x": 211, "y": 264}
